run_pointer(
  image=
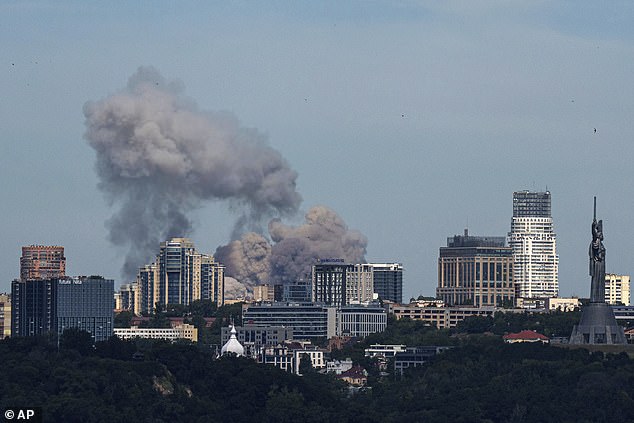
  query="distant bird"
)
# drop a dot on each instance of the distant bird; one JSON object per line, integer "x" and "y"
{"x": 403, "y": 115}
{"x": 306, "y": 100}
{"x": 595, "y": 130}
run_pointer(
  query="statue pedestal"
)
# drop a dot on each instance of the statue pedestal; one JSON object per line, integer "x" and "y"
{"x": 597, "y": 326}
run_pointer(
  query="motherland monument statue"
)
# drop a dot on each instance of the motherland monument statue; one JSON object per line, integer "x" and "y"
{"x": 598, "y": 324}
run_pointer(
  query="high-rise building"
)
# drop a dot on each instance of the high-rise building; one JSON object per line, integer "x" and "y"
{"x": 85, "y": 303}
{"x": 534, "y": 244}
{"x": 180, "y": 275}
{"x": 127, "y": 297}
{"x": 33, "y": 307}
{"x": 339, "y": 284}
{"x": 475, "y": 270}
{"x": 148, "y": 284}
{"x": 617, "y": 289}
{"x": 388, "y": 281}
{"x": 53, "y": 305}
{"x": 42, "y": 262}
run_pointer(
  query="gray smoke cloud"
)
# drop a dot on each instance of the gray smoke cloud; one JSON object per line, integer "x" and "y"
{"x": 234, "y": 290}
{"x": 294, "y": 249}
{"x": 159, "y": 156}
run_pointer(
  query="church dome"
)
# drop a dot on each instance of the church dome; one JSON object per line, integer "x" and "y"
{"x": 232, "y": 346}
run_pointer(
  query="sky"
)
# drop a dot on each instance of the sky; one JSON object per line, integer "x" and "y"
{"x": 413, "y": 120}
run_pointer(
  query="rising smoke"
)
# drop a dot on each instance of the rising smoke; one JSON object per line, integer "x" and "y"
{"x": 158, "y": 157}
{"x": 252, "y": 260}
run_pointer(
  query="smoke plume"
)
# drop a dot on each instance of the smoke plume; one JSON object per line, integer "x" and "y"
{"x": 159, "y": 156}
{"x": 252, "y": 260}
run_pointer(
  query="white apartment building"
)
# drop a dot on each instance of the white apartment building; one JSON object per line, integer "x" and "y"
{"x": 617, "y": 289}
{"x": 184, "y": 331}
{"x": 534, "y": 244}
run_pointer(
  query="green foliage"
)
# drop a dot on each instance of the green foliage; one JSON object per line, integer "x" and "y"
{"x": 556, "y": 323}
{"x": 481, "y": 379}
{"x": 122, "y": 319}
{"x": 78, "y": 340}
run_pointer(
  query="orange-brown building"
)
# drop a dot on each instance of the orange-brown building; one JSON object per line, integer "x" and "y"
{"x": 42, "y": 262}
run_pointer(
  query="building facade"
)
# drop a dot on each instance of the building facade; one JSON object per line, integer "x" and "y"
{"x": 126, "y": 298}
{"x": 534, "y": 244}
{"x": 5, "y": 316}
{"x": 441, "y": 317}
{"x": 388, "y": 281}
{"x": 182, "y": 331}
{"x": 617, "y": 289}
{"x": 258, "y": 336}
{"x": 475, "y": 270}
{"x": 85, "y": 303}
{"x": 310, "y": 320}
{"x": 307, "y": 320}
{"x": 361, "y": 320}
{"x": 42, "y": 262}
{"x": 298, "y": 291}
{"x": 338, "y": 284}
{"x": 43, "y": 306}
{"x": 180, "y": 275}
{"x": 33, "y": 307}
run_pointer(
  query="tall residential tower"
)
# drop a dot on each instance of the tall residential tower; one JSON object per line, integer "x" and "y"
{"x": 42, "y": 262}
{"x": 534, "y": 244}
{"x": 179, "y": 275}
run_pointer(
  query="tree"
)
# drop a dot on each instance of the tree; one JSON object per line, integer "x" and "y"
{"x": 78, "y": 340}
{"x": 122, "y": 319}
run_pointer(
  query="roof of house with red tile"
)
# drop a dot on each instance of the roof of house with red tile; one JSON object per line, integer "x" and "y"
{"x": 356, "y": 372}
{"x": 526, "y": 334}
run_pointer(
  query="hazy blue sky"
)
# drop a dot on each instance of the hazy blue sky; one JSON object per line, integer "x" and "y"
{"x": 411, "y": 119}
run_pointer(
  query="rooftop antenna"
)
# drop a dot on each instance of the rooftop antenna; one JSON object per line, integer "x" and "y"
{"x": 595, "y": 208}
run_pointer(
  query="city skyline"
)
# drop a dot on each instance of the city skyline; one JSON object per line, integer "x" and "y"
{"x": 412, "y": 120}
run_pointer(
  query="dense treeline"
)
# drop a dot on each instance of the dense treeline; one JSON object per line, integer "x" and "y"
{"x": 481, "y": 379}
{"x": 170, "y": 383}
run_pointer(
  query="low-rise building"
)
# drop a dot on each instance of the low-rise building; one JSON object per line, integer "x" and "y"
{"x": 182, "y": 331}
{"x": 258, "y": 336}
{"x": 414, "y": 357}
{"x": 377, "y": 350}
{"x": 361, "y": 320}
{"x": 338, "y": 366}
{"x": 355, "y": 376}
{"x": 288, "y": 356}
{"x": 440, "y": 317}
{"x": 562, "y": 304}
